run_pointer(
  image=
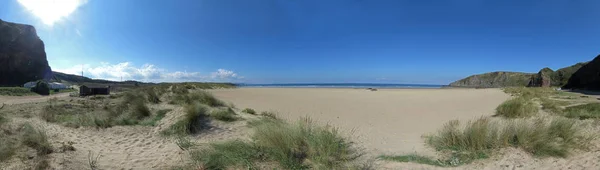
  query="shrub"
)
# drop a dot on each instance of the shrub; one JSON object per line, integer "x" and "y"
{"x": 585, "y": 111}
{"x": 41, "y": 88}
{"x": 517, "y": 107}
{"x": 249, "y": 111}
{"x": 226, "y": 115}
{"x": 194, "y": 120}
{"x": 36, "y": 139}
{"x": 541, "y": 137}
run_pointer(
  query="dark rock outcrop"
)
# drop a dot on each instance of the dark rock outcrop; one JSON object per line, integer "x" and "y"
{"x": 542, "y": 78}
{"x": 22, "y": 55}
{"x": 587, "y": 77}
{"x": 562, "y": 76}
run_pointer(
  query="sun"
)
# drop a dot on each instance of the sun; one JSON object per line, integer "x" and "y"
{"x": 50, "y": 11}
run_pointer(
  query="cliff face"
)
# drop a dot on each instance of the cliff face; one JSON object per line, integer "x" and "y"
{"x": 587, "y": 77}
{"x": 494, "y": 79}
{"x": 22, "y": 55}
{"x": 544, "y": 78}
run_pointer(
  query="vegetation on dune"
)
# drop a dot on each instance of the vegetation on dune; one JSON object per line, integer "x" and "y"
{"x": 8, "y": 147}
{"x": 585, "y": 111}
{"x": 530, "y": 92}
{"x": 228, "y": 154}
{"x": 517, "y": 107}
{"x": 553, "y": 106}
{"x": 415, "y": 158}
{"x": 160, "y": 114}
{"x": 131, "y": 110}
{"x": 2, "y": 119}
{"x": 36, "y": 139}
{"x": 301, "y": 145}
{"x": 202, "y": 97}
{"x": 541, "y": 137}
{"x": 249, "y": 111}
{"x": 15, "y": 91}
{"x": 269, "y": 114}
{"x": 194, "y": 121}
{"x": 222, "y": 114}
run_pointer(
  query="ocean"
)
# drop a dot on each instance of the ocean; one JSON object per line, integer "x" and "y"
{"x": 343, "y": 85}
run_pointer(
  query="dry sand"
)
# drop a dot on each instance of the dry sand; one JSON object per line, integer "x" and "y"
{"x": 388, "y": 121}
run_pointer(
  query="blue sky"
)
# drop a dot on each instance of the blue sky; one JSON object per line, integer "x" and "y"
{"x": 301, "y": 41}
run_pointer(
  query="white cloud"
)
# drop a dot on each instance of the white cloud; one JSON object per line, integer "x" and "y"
{"x": 147, "y": 73}
{"x": 50, "y": 11}
{"x": 224, "y": 74}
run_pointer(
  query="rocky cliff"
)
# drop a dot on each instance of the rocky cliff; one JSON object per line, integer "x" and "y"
{"x": 544, "y": 78}
{"x": 22, "y": 55}
{"x": 587, "y": 77}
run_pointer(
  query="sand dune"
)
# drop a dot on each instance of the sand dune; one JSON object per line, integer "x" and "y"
{"x": 388, "y": 121}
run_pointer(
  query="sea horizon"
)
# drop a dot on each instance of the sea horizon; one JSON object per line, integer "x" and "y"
{"x": 341, "y": 85}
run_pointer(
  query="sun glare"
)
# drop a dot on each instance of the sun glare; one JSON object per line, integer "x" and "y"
{"x": 50, "y": 11}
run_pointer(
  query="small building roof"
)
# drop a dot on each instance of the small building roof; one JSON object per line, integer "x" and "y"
{"x": 95, "y": 86}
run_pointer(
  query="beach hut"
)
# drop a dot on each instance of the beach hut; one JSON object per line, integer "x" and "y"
{"x": 89, "y": 89}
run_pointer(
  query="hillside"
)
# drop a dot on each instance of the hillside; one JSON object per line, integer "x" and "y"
{"x": 545, "y": 77}
{"x": 494, "y": 79}
{"x": 587, "y": 78}
{"x": 22, "y": 55}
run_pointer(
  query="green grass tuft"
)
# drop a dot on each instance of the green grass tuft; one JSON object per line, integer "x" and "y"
{"x": 36, "y": 139}
{"x": 516, "y": 108}
{"x": 541, "y": 137}
{"x": 585, "y": 111}
{"x": 202, "y": 97}
{"x": 271, "y": 115}
{"x": 16, "y": 91}
{"x": 228, "y": 154}
{"x": 194, "y": 120}
{"x": 301, "y": 145}
{"x": 226, "y": 115}
{"x": 414, "y": 158}
{"x": 249, "y": 111}
{"x": 157, "y": 117}
{"x": 292, "y": 144}
{"x": 553, "y": 106}
{"x": 8, "y": 148}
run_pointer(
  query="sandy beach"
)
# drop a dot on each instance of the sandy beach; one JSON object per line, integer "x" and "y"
{"x": 388, "y": 121}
